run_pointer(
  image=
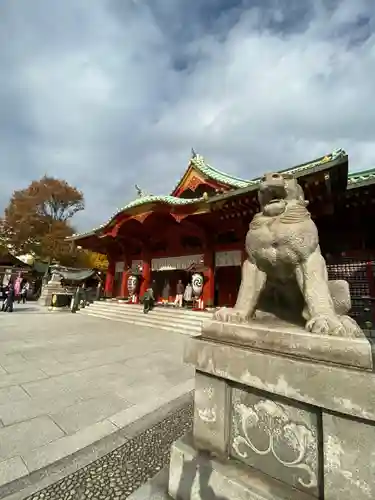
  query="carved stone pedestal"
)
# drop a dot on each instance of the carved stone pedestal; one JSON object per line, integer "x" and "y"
{"x": 277, "y": 422}
{"x": 49, "y": 289}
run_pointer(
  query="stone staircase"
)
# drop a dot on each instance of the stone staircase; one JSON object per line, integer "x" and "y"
{"x": 166, "y": 318}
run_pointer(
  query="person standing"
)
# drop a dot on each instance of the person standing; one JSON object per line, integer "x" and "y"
{"x": 148, "y": 300}
{"x": 24, "y": 291}
{"x": 4, "y": 295}
{"x": 10, "y": 298}
{"x": 166, "y": 292}
{"x": 188, "y": 295}
{"x": 179, "y": 294}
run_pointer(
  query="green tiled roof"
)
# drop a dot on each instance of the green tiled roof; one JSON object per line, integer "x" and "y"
{"x": 200, "y": 164}
{"x": 363, "y": 178}
{"x": 142, "y": 200}
{"x": 301, "y": 169}
{"x": 235, "y": 182}
{"x": 298, "y": 171}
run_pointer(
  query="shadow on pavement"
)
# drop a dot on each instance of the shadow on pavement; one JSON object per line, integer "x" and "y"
{"x": 17, "y": 308}
{"x": 199, "y": 465}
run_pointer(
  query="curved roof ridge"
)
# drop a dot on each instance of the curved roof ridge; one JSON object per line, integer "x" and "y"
{"x": 368, "y": 171}
{"x": 361, "y": 178}
{"x": 168, "y": 199}
{"x": 199, "y": 162}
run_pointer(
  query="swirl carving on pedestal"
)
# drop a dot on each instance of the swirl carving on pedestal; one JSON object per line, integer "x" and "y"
{"x": 273, "y": 421}
{"x": 205, "y": 406}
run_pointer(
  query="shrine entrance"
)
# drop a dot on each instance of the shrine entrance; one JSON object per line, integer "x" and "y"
{"x": 166, "y": 283}
{"x": 167, "y": 271}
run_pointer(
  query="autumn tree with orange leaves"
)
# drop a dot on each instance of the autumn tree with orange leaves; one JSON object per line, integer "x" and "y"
{"x": 38, "y": 219}
{"x": 96, "y": 260}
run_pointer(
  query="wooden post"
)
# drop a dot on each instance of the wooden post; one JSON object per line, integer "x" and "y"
{"x": 209, "y": 285}
{"x": 146, "y": 273}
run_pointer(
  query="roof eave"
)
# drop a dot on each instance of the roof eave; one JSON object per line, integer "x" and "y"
{"x": 360, "y": 184}
{"x": 136, "y": 210}
{"x": 321, "y": 167}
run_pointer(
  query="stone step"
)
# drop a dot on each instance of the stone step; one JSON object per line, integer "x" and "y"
{"x": 165, "y": 318}
{"x": 156, "y": 313}
{"x": 172, "y": 327}
{"x": 158, "y": 309}
{"x": 186, "y": 325}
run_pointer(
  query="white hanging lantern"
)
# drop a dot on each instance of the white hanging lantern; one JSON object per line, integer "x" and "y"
{"x": 197, "y": 281}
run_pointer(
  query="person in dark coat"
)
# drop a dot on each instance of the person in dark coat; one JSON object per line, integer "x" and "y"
{"x": 10, "y": 298}
{"x": 148, "y": 300}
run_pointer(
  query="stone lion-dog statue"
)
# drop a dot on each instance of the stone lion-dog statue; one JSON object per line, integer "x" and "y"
{"x": 285, "y": 273}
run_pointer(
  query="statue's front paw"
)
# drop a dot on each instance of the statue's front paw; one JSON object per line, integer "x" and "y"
{"x": 351, "y": 327}
{"x": 326, "y": 325}
{"x": 230, "y": 315}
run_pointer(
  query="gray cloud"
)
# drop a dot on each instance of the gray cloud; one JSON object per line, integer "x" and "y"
{"x": 110, "y": 93}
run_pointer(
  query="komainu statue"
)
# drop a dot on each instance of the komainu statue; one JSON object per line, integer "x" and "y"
{"x": 285, "y": 274}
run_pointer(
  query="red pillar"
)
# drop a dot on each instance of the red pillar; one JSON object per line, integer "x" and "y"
{"x": 209, "y": 285}
{"x": 109, "y": 280}
{"x": 146, "y": 274}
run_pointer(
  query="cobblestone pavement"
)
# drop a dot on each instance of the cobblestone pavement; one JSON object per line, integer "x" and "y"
{"x": 118, "y": 474}
{"x": 67, "y": 381}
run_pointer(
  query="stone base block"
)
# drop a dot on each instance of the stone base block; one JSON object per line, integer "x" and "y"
{"x": 292, "y": 341}
{"x": 47, "y": 292}
{"x": 309, "y": 426}
{"x": 59, "y": 309}
{"x": 195, "y": 475}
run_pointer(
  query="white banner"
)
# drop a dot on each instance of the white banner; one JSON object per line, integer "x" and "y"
{"x": 173, "y": 263}
{"x": 230, "y": 258}
{"x": 119, "y": 268}
{"x": 7, "y": 276}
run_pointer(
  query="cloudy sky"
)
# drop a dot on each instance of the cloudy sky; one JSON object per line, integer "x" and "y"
{"x": 109, "y": 93}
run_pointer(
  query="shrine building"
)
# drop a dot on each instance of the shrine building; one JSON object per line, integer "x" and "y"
{"x": 202, "y": 224}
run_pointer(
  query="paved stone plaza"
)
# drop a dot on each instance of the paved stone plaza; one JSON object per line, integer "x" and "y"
{"x": 68, "y": 380}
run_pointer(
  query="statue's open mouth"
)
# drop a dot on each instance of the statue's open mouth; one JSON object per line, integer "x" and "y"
{"x": 274, "y": 194}
{"x": 274, "y": 200}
